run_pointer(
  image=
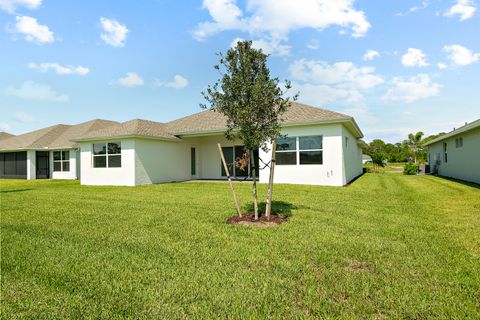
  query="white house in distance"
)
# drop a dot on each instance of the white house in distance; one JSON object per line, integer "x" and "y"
{"x": 320, "y": 148}
{"x": 457, "y": 153}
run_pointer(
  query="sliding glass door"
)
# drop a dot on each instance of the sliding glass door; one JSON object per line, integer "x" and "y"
{"x": 233, "y": 153}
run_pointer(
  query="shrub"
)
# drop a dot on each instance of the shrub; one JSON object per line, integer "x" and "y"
{"x": 378, "y": 158}
{"x": 411, "y": 168}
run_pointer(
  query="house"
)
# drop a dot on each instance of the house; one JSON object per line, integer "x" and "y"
{"x": 319, "y": 147}
{"x": 366, "y": 158}
{"x": 457, "y": 153}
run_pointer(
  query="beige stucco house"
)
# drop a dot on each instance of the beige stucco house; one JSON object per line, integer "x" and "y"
{"x": 320, "y": 147}
{"x": 457, "y": 153}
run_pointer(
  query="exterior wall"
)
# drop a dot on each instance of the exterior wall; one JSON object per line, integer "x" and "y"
{"x": 31, "y": 165}
{"x": 70, "y": 175}
{"x": 124, "y": 176}
{"x": 462, "y": 163}
{"x": 352, "y": 156}
{"x": 330, "y": 173}
{"x": 161, "y": 161}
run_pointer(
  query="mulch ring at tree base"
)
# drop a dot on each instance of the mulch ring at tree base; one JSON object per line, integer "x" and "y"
{"x": 262, "y": 222}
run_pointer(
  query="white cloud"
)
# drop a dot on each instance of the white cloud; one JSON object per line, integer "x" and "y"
{"x": 463, "y": 8}
{"x": 339, "y": 73}
{"x": 178, "y": 82}
{"x": 461, "y": 56}
{"x": 23, "y": 117}
{"x": 30, "y": 90}
{"x": 414, "y": 58}
{"x": 413, "y": 88}
{"x": 370, "y": 55}
{"x": 320, "y": 82}
{"x": 442, "y": 65}
{"x": 313, "y": 44}
{"x": 275, "y": 19}
{"x": 4, "y": 126}
{"x": 11, "y": 5}
{"x": 272, "y": 46}
{"x": 59, "y": 69}
{"x": 131, "y": 79}
{"x": 32, "y": 31}
{"x": 114, "y": 33}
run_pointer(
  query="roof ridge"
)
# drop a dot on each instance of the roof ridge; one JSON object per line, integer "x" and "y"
{"x": 51, "y": 128}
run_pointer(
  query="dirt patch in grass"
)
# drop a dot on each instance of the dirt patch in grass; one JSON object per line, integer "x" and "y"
{"x": 357, "y": 266}
{"x": 262, "y": 222}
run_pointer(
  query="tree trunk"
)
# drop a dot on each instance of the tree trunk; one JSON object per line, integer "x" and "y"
{"x": 225, "y": 166}
{"x": 254, "y": 187}
{"x": 268, "y": 208}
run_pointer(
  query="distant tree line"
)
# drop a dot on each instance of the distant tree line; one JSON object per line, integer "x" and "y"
{"x": 409, "y": 150}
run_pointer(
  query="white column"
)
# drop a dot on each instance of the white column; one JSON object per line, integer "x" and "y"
{"x": 31, "y": 165}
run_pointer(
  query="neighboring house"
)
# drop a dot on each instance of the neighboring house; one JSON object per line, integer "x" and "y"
{"x": 366, "y": 158}
{"x": 457, "y": 153}
{"x": 45, "y": 153}
{"x": 320, "y": 147}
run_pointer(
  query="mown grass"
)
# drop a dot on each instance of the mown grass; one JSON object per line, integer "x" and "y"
{"x": 387, "y": 246}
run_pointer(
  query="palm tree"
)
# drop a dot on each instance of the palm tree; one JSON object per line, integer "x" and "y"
{"x": 415, "y": 142}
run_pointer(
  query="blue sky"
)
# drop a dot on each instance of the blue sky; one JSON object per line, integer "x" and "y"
{"x": 397, "y": 67}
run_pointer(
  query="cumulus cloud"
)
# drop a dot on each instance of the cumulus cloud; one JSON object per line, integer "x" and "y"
{"x": 59, "y": 69}
{"x": 4, "y": 126}
{"x": 23, "y": 117}
{"x": 320, "y": 82}
{"x": 460, "y": 55}
{"x": 277, "y": 18}
{"x": 11, "y": 5}
{"x": 178, "y": 82}
{"x": 465, "y": 9}
{"x": 131, "y": 79}
{"x": 32, "y": 31}
{"x": 114, "y": 33}
{"x": 30, "y": 90}
{"x": 442, "y": 65}
{"x": 370, "y": 55}
{"x": 414, "y": 58}
{"x": 412, "y": 89}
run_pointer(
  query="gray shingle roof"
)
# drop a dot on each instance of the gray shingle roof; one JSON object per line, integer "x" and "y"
{"x": 68, "y": 136}
{"x": 469, "y": 126}
{"x": 57, "y": 136}
{"x": 4, "y": 135}
{"x": 213, "y": 121}
{"x": 136, "y": 127}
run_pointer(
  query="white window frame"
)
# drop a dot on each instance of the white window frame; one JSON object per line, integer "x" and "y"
{"x": 106, "y": 155}
{"x": 61, "y": 161}
{"x": 298, "y": 150}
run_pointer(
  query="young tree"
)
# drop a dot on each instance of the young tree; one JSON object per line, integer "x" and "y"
{"x": 415, "y": 142}
{"x": 250, "y": 99}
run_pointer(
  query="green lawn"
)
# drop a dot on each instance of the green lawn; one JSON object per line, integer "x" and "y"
{"x": 387, "y": 246}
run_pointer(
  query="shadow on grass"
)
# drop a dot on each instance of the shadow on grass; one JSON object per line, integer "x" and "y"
{"x": 16, "y": 190}
{"x": 278, "y": 208}
{"x": 465, "y": 183}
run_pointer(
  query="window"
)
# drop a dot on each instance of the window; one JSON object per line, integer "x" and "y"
{"x": 286, "y": 151}
{"x": 445, "y": 158}
{"x": 61, "y": 161}
{"x": 346, "y": 142}
{"x": 107, "y": 155}
{"x": 300, "y": 150}
{"x": 458, "y": 142}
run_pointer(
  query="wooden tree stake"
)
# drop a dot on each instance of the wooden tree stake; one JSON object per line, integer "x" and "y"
{"x": 237, "y": 207}
{"x": 268, "y": 208}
